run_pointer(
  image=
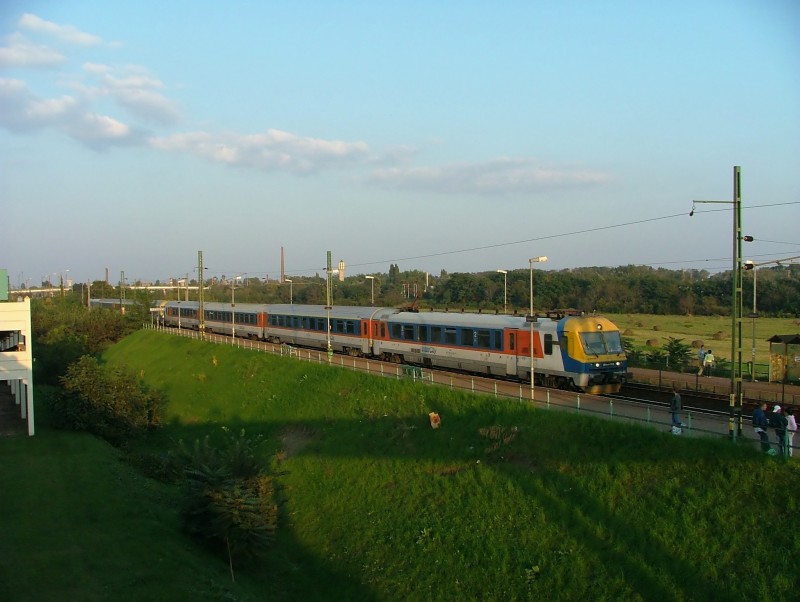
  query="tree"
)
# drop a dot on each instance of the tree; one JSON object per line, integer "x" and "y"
{"x": 228, "y": 499}
{"x": 680, "y": 354}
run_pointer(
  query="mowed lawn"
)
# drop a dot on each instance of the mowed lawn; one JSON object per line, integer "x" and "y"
{"x": 502, "y": 502}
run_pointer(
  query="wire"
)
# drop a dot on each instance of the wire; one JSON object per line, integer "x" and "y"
{"x": 777, "y": 242}
{"x": 549, "y": 237}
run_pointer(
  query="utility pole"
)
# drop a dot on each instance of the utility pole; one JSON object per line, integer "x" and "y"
{"x": 200, "y": 296}
{"x": 736, "y": 326}
{"x": 329, "y": 306}
{"x": 735, "y": 417}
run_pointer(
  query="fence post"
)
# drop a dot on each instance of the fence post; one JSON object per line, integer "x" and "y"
{"x": 611, "y": 408}
{"x": 579, "y": 401}
{"x": 548, "y": 399}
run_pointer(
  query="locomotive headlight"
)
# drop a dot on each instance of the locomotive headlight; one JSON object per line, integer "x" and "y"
{"x": 599, "y": 327}
{"x": 597, "y": 365}
{"x": 619, "y": 363}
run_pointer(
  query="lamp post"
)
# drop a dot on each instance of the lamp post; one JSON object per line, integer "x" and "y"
{"x": 531, "y": 319}
{"x": 505, "y": 288}
{"x": 289, "y": 280}
{"x": 372, "y": 288}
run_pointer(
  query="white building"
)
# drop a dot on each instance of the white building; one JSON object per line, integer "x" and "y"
{"x": 16, "y": 359}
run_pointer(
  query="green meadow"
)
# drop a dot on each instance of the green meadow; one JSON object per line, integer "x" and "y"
{"x": 714, "y": 331}
{"x": 502, "y": 502}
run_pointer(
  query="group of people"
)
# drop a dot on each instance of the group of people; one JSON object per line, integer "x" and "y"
{"x": 782, "y": 421}
{"x": 705, "y": 360}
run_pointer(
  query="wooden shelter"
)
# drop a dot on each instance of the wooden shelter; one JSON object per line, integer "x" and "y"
{"x": 784, "y": 358}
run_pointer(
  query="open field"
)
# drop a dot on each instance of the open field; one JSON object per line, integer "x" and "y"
{"x": 503, "y": 502}
{"x": 715, "y": 331}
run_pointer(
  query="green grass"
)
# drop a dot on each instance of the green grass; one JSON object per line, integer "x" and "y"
{"x": 715, "y": 331}
{"x": 375, "y": 505}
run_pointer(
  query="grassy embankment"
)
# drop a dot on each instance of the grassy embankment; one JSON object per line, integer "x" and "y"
{"x": 503, "y": 502}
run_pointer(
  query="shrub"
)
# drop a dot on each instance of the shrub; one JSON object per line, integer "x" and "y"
{"x": 228, "y": 500}
{"x": 108, "y": 402}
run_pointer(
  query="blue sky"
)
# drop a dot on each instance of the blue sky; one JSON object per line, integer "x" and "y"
{"x": 464, "y": 136}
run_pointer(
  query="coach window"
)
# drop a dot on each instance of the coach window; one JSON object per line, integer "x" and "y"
{"x": 422, "y": 334}
{"x": 498, "y": 340}
{"x": 548, "y": 344}
{"x": 436, "y": 334}
{"x": 395, "y": 330}
{"x": 511, "y": 342}
{"x": 408, "y": 332}
{"x": 483, "y": 339}
{"x": 450, "y": 336}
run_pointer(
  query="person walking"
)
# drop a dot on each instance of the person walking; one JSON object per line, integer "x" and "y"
{"x": 791, "y": 428}
{"x": 701, "y": 356}
{"x": 675, "y": 407}
{"x": 760, "y": 425}
{"x": 779, "y": 422}
{"x": 708, "y": 362}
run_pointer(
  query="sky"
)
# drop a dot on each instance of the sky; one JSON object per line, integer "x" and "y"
{"x": 457, "y": 136}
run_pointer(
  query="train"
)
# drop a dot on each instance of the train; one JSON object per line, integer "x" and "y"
{"x": 573, "y": 352}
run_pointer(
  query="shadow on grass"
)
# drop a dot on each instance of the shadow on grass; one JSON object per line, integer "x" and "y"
{"x": 536, "y": 459}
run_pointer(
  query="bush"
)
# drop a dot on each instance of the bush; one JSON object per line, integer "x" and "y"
{"x": 108, "y": 402}
{"x": 228, "y": 500}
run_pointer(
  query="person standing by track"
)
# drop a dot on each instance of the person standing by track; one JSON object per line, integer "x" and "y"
{"x": 708, "y": 362}
{"x": 760, "y": 425}
{"x": 675, "y": 407}
{"x": 791, "y": 428}
{"x": 779, "y": 422}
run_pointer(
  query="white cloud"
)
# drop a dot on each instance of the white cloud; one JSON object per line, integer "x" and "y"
{"x": 65, "y": 33}
{"x": 21, "y": 111}
{"x": 135, "y": 91}
{"x": 498, "y": 176}
{"x": 97, "y": 129}
{"x": 274, "y": 149}
{"x": 22, "y": 53}
{"x": 96, "y": 68}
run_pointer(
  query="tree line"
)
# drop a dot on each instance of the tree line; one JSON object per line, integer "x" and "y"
{"x": 624, "y": 289}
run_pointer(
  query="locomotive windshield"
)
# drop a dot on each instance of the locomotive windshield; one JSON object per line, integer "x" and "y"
{"x": 601, "y": 343}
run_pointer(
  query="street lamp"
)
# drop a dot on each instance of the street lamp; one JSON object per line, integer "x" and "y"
{"x": 505, "y": 288}
{"x": 372, "y": 288}
{"x": 289, "y": 280}
{"x": 533, "y": 260}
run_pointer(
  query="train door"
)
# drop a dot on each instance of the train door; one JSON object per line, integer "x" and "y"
{"x": 510, "y": 343}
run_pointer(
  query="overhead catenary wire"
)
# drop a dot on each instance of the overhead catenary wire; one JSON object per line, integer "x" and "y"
{"x": 551, "y": 237}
